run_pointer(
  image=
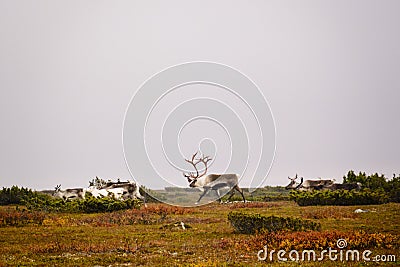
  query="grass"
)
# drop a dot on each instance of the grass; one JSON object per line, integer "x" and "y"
{"x": 138, "y": 238}
{"x": 188, "y": 196}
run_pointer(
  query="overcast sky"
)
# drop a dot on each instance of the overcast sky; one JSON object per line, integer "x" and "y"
{"x": 330, "y": 71}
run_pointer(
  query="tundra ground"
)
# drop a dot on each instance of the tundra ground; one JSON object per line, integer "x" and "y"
{"x": 154, "y": 236}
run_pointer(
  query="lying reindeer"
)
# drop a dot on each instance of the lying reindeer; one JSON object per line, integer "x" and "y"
{"x": 211, "y": 181}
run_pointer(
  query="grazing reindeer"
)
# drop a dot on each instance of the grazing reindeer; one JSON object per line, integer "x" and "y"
{"x": 308, "y": 185}
{"x": 211, "y": 181}
{"x": 69, "y": 194}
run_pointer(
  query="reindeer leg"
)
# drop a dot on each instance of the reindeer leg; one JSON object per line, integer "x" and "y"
{"x": 240, "y": 191}
{"x": 144, "y": 201}
{"x": 202, "y": 195}
{"x": 219, "y": 195}
{"x": 231, "y": 193}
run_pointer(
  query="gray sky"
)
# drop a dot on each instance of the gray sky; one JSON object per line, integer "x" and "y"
{"x": 68, "y": 69}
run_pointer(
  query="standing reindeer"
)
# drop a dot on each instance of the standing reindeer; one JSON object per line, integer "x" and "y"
{"x": 69, "y": 194}
{"x": 308, "y": 185}
{"x": 211, "y": 181}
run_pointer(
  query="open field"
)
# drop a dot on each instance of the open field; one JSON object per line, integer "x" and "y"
{"x": 148, "y": 236}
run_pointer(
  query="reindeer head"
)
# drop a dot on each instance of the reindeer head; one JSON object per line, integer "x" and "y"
{"x": 193, "y": 176}
{"x": 57, "y": 189}
{"x": 188, "y": 177}
{"x": 293, "y": 184}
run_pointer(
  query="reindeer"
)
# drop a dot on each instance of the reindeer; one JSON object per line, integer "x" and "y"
{"x": 119, "y": 190}
{"x": 130, "y": 189}
{"x": 308, "y": 185}
{"x": 69, "y": 194}
{"x": 115, "y": 193}
{"x": 211, "y": 181}
{"x": 349, "y": 186}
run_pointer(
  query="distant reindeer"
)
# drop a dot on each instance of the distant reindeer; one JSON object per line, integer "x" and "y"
{"x": 211, "y": 181}
{"x": 119, "y": 190}
{"x": 349, "y": 186}
{"x": 69, "y": 194}
{"x": 308, "y": 185}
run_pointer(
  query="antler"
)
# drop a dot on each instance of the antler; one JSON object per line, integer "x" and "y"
{"x": 193, "y": 161}
{"x": 205, "y": 160}
{"x": 293, "y": 179}
{"x": 194, "y": 165}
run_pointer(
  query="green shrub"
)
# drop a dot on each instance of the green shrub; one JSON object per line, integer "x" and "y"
{"x": 339, "y": 197}
{"x": 88, "y": 205}
{"x": 376, "y": 182}
{"x": 16, "y": 195}
{"x": 42, "y": 202}
{"x": 394, "y": 189}
{"x": 105, "y": 204}
{"x": 376, "y": 189}
{"x": 253, "y": 223}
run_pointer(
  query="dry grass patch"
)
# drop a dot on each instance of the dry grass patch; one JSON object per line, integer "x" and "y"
{"x": 331, "y": 212}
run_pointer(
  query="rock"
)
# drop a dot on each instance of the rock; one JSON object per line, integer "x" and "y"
{"x": 176, "y": 225}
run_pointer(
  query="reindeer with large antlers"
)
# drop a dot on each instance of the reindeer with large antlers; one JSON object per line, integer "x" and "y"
{"x": 211, "y": 181}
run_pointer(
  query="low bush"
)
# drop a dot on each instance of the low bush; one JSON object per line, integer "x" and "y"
{"x": 20, "y": 217}
{"x": 314, "y": 240}
{"x": 339, "y": 197}
{"x": 253, "y": 223}
{"x": 88, "y": 205}
{"x": 376, "y": 182}
{"x": 16, "y": 195}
